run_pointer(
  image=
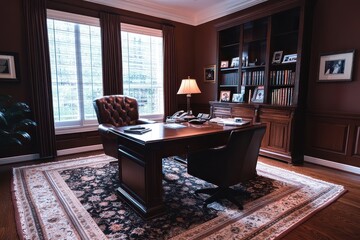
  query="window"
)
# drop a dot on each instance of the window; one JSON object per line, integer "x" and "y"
{"x": 76, "y": 69}
{"x": 142, "y": 59}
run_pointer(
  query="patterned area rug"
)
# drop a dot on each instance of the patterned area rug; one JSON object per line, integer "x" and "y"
{"x": 76, "y": 199}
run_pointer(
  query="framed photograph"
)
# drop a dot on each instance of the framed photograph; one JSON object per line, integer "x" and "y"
{"x": 9, "y": 67}
{"x": 238, "y": 97}
{"x": 277, "y": 57}
{"x": 210, "y": 74}
{"x": 225, "y": 96}
{"x": 258, "y": 96}
{"x": 336, "y": 66}
{"x": 224, "y": 64}
{"x": 290, "y": 58}
{"x": 235, "y": 62}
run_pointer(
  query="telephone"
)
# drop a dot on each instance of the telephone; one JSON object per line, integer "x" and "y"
{"x": 200, "y": 118}
{"x": 179, "y": 116}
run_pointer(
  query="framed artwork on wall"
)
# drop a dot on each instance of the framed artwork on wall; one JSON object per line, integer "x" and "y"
{"x": 335, "y": 67}
{"x": 210, "y": 74}
{"x": 9, "y": 67}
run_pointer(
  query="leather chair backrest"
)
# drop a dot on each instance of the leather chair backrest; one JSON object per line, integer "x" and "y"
{"x": 117, "y": 110}
{"x": 242, "y": 151}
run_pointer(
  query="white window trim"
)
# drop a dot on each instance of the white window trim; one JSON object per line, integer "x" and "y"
{"x": 80, "y": 19}
{"x": 76, "y": 18}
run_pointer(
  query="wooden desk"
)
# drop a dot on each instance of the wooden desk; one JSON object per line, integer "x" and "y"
{"x": 140, "y": 159}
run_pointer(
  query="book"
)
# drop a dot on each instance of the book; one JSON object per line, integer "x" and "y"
{"x": 137, "y": 130}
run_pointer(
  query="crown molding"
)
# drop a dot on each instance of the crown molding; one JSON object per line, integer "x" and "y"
{"x": 222, "y": 9}
{"x": 208, "y": 13}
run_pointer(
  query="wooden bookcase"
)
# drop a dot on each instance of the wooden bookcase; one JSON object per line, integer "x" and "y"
{"x": 263, "y": 59}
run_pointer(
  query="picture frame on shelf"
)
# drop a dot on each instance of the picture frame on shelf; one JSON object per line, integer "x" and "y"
{"x": 225, "y": 96}
{"x": 258, "y": 96}
{"x": 9, "y": 71}
{"x": 336, "y": 67}
{"x": 210, "y": 74}
{"x": 224, "y": 64}
{"x": 238, "y": 97}
{"x": 290, "y": 58}
{"x": 277, "y": 56}
{"x": 234, "y": 62}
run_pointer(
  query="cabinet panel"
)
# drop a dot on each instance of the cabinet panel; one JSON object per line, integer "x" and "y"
{"x": 329, "y": 136}
{"x": 356, "y": 151}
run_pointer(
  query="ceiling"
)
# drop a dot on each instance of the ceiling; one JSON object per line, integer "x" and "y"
{"x": 193, "y": 12}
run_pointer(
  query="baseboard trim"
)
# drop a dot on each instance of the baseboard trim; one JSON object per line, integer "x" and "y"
{"x": 327, "y": 163}
{"x": 79, "y": 150}
{"x": 21, "y": 158}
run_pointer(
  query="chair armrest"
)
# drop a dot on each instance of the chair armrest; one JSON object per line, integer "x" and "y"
{"x": 104, "y": 129}
{"x": 145, "y": 121}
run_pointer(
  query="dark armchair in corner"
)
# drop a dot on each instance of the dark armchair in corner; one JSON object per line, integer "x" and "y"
{"x": 228, "y": 165}
{"x": 115, "y": 111}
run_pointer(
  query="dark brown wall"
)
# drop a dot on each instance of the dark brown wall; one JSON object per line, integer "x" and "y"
{"x": 335, "y": 28}
{"x": 333, "y": 127}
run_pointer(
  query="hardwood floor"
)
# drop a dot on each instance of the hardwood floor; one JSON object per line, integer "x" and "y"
{"x": 340, "y": 220}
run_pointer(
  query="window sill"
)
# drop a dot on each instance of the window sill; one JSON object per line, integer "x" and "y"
{"x": 76, "y": 129}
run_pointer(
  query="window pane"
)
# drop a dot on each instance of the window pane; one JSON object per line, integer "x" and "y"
{"x": 76, "y": 70}
{"x": 142, "y": 56}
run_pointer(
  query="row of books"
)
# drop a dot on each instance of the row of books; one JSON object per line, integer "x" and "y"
{"x": 282, "y": 96}
{"x": 282, "y": 77}
{"x": 253, "y": 78}
{"x": 230, "y": 78}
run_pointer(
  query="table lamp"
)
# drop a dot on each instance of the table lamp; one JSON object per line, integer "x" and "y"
{"x": 188, "y": 87}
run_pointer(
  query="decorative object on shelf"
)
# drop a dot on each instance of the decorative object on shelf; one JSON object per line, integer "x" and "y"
{"x": 277, "y": 57}
{"x": 258, "y": 96}
{"x": 15, "y": 127}
{"x": 9, "y": 67}
{"x": 336, "y": 66}
{"x": 188, "y": 87}
{"x": 235, "y": 62}
{"x": 290, "y": 58}
{"x": 225, "y": 96}
{"x": 238, "y": 97}
{"x": 224, "y": 64}
{"x": 210, "y": 74}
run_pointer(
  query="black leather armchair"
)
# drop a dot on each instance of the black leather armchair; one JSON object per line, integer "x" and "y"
{"x": 228, "y": 165}
{"x": 115, "y": 111}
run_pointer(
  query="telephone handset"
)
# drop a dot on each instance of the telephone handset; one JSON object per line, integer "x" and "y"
{"x": 177, "y": 117}
{"x": 179, "y": 114}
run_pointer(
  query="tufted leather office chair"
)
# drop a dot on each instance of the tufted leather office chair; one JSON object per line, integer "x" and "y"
{"x": 228, "y": 165}
{"x": 115, "y": 111}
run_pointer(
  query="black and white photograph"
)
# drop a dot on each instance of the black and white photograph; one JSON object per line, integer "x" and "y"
{"x": 336, "y": 67}
{"x": 235, "y": 62}
{"x": 7, "y": 67}
{"x": 225, "y": 96}
{"x": 238, "y": 97}
{"x": 210, "y": 74}
{"x": 290, "y": 58}
{"x": 258, "y": 96}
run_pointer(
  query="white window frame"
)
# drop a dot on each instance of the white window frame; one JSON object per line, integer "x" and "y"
{"x": 76, "y": 126}
{"x": 156, "y": 33}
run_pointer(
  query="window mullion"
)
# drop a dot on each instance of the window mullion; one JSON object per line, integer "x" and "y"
{"x": 79, "y": 72}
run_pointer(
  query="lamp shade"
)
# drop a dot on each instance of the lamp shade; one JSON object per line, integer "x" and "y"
{"x": 188, "y": 86}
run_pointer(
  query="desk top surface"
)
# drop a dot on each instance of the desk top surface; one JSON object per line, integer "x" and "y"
{"x": 172, "y": 131}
